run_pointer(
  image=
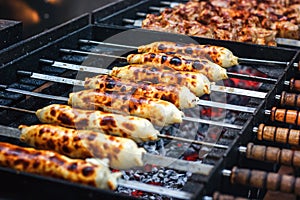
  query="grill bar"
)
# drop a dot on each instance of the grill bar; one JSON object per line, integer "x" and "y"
{"x": 81, "y": 83}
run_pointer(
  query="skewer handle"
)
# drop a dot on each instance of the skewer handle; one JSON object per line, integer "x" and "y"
{"x": 295, "y": 85}
{"x": 290, "y": 99}
{"x": 267, "y": 180}
{"x": 278, "y": 134}
{"x": 273, "y": 155}
{"x": 219, "y": 196}
{"x": 286, "y": 116}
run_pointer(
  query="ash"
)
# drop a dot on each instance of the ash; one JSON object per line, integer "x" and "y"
{"x": 156, "y": 176}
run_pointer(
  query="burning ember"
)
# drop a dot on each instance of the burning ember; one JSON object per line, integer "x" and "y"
{"x": 157, "y": 176}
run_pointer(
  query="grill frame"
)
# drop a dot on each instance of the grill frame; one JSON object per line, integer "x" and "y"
{"x": 26, "y": 54}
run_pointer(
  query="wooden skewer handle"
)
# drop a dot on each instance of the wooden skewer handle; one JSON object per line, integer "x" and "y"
{"x": 290, "y": 99}
{"x": 266, "y": 180}
{"x": 273, "y": 155}
{"x": 278, "y": 134}
{"x": 286, "y": 116}
{"x": 295, "y": 85}
{"x": 218, "y": 196}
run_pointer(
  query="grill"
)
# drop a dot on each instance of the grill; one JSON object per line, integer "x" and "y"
{"x": 38, "y": 54}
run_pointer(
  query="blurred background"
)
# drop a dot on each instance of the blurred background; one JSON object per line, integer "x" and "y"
{"x": 39, "y": 15}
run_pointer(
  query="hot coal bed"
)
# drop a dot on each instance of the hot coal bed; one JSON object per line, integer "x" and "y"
{"x": 27, "y": 56}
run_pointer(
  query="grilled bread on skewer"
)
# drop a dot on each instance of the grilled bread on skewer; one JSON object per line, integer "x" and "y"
{"x": 180, "y": 63}
{"x": 220, "y": 55}
{"x": 122, "y": 153}
{"x": 52, "y": 164}
{"x": 159, "y": 112}
{"x": 138, "y": 129}
{"x": 197, "y": 83}
{"x": 180, "y": 96}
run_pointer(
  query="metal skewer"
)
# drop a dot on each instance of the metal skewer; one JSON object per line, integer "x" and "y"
{"x": 242, "y": 60}
{"x": 65, "y": 99}
{"x": 215, "y": 88}
{"x": 231, "y": 74}
{"x": 15, "y": 133}
{"x": 82, "y": 83}
{"x": 159, "y": 135}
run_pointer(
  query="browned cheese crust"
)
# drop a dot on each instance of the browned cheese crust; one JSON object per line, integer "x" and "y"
{"x": 52, "y": 164}
{"x": 195, "y": 82}
{"x": 157, "y": 111}
{"x": 122, "y": 153}
{"x": 196, "y": 52}
{"x": 168, "y": 92}
{"x": 180, "y": 63}
{"x": 138, "y": 129}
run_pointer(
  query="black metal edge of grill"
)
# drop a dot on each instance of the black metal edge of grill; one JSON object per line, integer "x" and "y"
{"x": 101, "y": 14}
{"x": 69, "y": 35}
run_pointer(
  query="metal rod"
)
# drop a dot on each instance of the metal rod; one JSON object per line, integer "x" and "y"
{"x": 17, "y": 109}
{"x": 215, "y": 88}
{"x": 242, "y": 60}
{"x": 243, "y": 149}
{"x": 90, "y": 53}
{"x": 171, "y": 4}
{"x": 226, "y": 172}
{"x": 234, "y": 75}
{"x": 238, "y": 91}
{"x": 225, "y": 106}
{"x": 159, "y": 135}
{"x": 76, "y": 67}
{"x": 75, "y": 82}
{"x": 204, "y": 121}
{"x": 251, "y": 77}
{"x": 53, "y": 97}
{"x": 159, "y": 9}
{"x": 136, "y": 23}
{"x": 193, "y": 141}
{"x": 15, "y": 133}
{"x": 35, "y": 94}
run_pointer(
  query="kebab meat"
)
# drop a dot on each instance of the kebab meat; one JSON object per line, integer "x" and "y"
{"x": 122, "y": 153}
{"x": 197, "y": 83}
{"x": 136, "y": 128}
{"x": 179, "y": 63}
{"x": 158, "y": 111}
{"x": 252, "y": 21}
{"x": 48, "y": 163}
{"x": 219, "y": 55}
{"x": 180, "y": 96}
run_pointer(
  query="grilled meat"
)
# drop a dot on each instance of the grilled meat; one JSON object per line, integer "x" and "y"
{"x": 179, "y": 63}
{"x": 138, "y": 129}
{"x": 159, "y": 112}
{"x": 197, "y": 83}
{"x": 219, "y": 55}
{"x": 52, "y": 164}
{"x": 245, "y": 21}
{"x": 122, "y": 153}
{"x": 180, "y": 96}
